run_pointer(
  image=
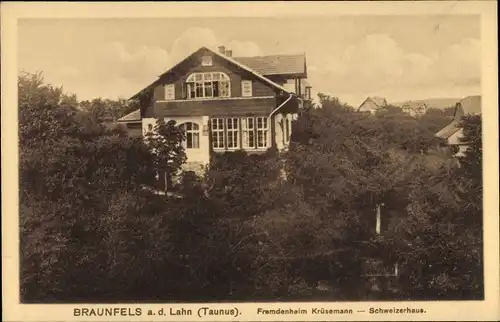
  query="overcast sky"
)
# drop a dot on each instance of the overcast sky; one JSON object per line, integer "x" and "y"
{"x": 351, "y": 57}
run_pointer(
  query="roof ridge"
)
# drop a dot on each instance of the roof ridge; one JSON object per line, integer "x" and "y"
{"x": 271, "y": 55}
{"x": 230, "y": 59}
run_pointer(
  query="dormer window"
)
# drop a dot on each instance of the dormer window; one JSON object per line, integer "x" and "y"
{"x": 206, "y": 61}
{"x": 208, "y": 85}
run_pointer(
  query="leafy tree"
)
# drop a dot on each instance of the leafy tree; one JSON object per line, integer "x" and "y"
{"x": 165, "y": 144}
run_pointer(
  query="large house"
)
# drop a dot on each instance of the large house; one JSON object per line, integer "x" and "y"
{"x": 452, "y": 132}
{"x": 225, "y": 103}
{"x": 372, "y": 104}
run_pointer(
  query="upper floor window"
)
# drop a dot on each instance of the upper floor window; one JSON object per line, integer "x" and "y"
{"x": 169, "y": 92}
{"x": 246, "y": 88}
{"x": 206, "y": 61}
{"x": 208, "y": 85}
{"x": 192, "y": 132}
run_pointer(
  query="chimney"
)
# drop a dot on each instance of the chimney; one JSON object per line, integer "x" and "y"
{"x": 222, "y": 49}
{"x": 229, "y": 53}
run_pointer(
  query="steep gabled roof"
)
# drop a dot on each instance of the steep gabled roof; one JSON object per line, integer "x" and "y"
{"x": 134, "y": 116}
{"x": 231, "y": 60}
{"x": 468, "y": 105}
{"x": 448, "y": 130}
{"x": 294, "y": 64}
{"x": 378, "y": 101}
{"x": 413, "y": 105}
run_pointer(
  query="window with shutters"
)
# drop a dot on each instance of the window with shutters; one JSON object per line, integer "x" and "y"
{"x": 170, "y": 92}
{"x": 246, "y": 88}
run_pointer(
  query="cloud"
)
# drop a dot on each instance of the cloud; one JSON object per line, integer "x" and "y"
{"x": 125, "y": 70}
{"x": 377, "y": 65}
{"x": 196, "y": 37}
{"x": 244, "y": 48}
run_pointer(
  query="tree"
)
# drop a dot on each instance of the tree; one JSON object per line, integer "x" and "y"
{"x": 165, "y": 143}
{"x": 71, "y": 171}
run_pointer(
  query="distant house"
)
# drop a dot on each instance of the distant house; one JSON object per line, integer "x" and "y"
{"x": 225, "y": 103}
{"x": 373, "y": 104}
{"x": 132, "y": 122}
{"x": 414, "y": 108}
{"x": 452, "y": 132}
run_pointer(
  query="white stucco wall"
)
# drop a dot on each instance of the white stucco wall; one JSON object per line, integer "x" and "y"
{"x": 196, "y": 155}
{"x": 280, "y": 129}
{"x": 369, "y": 106}
{"x": 455, "y": 138}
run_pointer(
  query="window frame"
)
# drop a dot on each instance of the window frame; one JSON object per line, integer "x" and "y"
{"x": 241, "y": 130}
{"x": 192, "y": 135}
{"x": 246, "y": 130}
{"x": 198, "y": 83}
{"x": 218, "y": 133}
{"x": 263, "y": 130}
{"x": 166, "y": 88}
{"x": 204, "y": 63}
{"x": 249, "y": 83}
{"x": 235, "y": 132}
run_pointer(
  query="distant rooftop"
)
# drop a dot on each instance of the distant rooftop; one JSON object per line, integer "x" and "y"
{"x": 469, "y": 105}
{"x": 134, "y": 116}
{"x": 379, "y": 101}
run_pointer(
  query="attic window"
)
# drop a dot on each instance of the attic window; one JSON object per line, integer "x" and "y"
{"x": 206, "y": 61}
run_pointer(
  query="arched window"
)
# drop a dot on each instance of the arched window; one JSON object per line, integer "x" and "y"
{"x": 192, "y": 132}
{"x": 208, "y": 85}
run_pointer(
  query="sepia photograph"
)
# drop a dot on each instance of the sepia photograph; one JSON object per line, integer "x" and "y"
{"x": 232, "y": 159}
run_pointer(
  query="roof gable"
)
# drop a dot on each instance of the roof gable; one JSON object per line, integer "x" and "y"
{"x": 448, "y": 130}
{"x": 230, "y": 60}
{"x": 378, "y": 101}
{"x": 134, "y": 116}
{"x": 294, "y": 64}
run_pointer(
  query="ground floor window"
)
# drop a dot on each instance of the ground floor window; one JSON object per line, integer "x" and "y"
{"x": 240, "y": 132}
{"x": 192, "y": 132}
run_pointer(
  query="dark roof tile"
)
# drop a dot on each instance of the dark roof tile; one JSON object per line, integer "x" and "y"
{"x": 276, "y": 64}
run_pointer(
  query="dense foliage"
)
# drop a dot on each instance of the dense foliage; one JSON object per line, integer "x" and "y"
{"x": 275, "y": 226}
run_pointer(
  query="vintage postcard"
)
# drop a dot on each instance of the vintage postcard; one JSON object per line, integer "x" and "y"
{"x": 250, "y": 161}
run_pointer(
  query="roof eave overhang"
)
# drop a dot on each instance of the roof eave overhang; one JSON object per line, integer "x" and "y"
{"x": 234, "y": 62}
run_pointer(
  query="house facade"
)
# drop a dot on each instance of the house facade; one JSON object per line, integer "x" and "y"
{"x": 414, "y": 109}
{"x": 372, "y": 104}
{"x": 453, "y": 133}
{"x": 225, "y": 103}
